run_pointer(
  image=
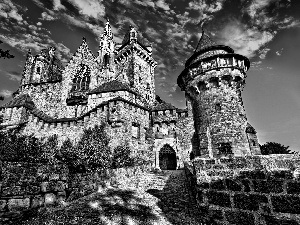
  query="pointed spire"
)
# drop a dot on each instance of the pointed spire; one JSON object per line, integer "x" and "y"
{"x": 204, "y": 41}
{"x": 132, "y": 34}
{"x": 107, "y": 30}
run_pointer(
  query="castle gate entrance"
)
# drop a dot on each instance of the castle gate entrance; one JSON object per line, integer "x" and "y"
{"x": 167, "y": 158}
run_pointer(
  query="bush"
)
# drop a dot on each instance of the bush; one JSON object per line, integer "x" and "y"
{"x": 49, "y": 149}
{"x": 67, "y": 155}
{"x": 121, "y": 157}
{"x": 274, "y": 148}
{"x": 20, "y": 148}
{"x": 92, "y": 149}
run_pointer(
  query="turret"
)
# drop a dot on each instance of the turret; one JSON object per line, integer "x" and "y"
{"x": 106, "y": 53}
{"x": 42, "y": 68}
{"x": 213, "y": 79}
{"x": 135, "y": 65}
{"x": 27, "y": 68}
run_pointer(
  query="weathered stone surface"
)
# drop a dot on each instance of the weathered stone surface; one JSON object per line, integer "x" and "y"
{"x": 50, "y": 199}
{"x": 37, "y": 201}
{"x": 116, "y": 87}
{"x": 18, "y": 204}
{"x": 2, "y": 204}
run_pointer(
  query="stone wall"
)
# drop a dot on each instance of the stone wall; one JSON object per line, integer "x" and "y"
{"x": 252, "y": 190}
{"x": 29, "y": 185}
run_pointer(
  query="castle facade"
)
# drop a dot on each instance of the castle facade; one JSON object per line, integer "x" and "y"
{"x": 117, "y": 86}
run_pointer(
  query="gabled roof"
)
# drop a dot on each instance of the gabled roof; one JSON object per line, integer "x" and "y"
{"x": 160, "y": 104}
{"x": 204, "y": 42}
{"x": 21, "y": 100}
{"x": 250, "y": 129}
{"x": 114, "y": 85}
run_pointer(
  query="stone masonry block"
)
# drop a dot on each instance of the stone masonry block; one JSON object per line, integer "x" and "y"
{"x": 45, "y": 186}
{"x": 286, "y": 204}
{"x": 218, "y": 185}
{"x": 233, "y": 185}
{"x": 204, "y": 185}
{"x": 2, "y": 205}
{"x": 253, "y": 174}
{"x": 280, "y": 174}
{"x": 268, "y": 186}
{"x": 293, "y": 187}
{"x": 50, "y": 199}
{"x": 216, "y": 214}
{"x": 219, "y": 198}
{"x": 249, "y": 201}
{"x": 33, "y": 189}
{"x": 60, "y": 186}
{"x": 54, "y": 176}
{"x": 37, "y": 201}
{"x": 18, "y": 204}
{"x": 247, "y": 184}
{"x": 200, "y": 196}
{"x": 239, "y": 217}
{"x": 272, "y": 220}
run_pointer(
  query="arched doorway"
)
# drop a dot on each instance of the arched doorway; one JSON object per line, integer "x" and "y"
{"x": 167, "y": 158}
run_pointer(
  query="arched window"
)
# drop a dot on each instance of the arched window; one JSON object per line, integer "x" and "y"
{"x": 81, "y": 80}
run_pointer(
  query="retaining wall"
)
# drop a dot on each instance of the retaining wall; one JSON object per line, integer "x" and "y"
{"x": 29, "y": 185}
{"x": 251, "y": 190}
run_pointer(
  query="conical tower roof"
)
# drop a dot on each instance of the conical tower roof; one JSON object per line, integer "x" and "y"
{"x": 204, "y": 42}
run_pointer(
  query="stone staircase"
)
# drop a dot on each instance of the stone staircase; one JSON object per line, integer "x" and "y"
{"x": 169, "y": 187}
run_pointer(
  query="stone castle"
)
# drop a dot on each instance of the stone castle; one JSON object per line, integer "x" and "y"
{"x": 117, "y": 87}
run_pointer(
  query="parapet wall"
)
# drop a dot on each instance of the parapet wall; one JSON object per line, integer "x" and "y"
{"x": 252, "y": 190}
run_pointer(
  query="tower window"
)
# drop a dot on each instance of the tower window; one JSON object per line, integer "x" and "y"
{"x": 202, "y": 86}
{"x": 106, "y": 60}
{"x": 38, "y": 70}
{"x": 225, "y": 148}
{"x": 135, "y": 131}
{"x": 253, "y": 142}
{"x": 218, "y": 107}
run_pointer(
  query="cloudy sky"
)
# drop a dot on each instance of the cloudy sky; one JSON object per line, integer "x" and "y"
{"x": 266, "y": 31}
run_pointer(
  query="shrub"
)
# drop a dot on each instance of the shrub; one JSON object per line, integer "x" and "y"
{"x": 92, "y": 149}
{"x": 19, "y": 148}
{"x": 49, "y": 149}
{"x": 274, "y": 148}
{"x": 121, "y": 157}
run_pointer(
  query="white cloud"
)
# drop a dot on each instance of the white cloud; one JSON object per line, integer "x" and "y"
{"x": 91, "y": 8}
{"x": 279, "y": 52}
{"x": 39, "y": 24}
{"x": 263, "y": 53}
{"x": 162, "y": 4}
{"x": 243, "y": 40}
{"x": 57, "y": 5}
{"x": 6, "y": 93}
{"x": 257, "y": 5}
{"x": 206, "y": 9}
{"x": 14, "y": 77}
{"x": 46, "y": 16}
{"x": 10, "y": 10}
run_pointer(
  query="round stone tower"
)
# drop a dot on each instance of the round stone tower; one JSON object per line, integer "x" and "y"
{"x": 213, "y": 79}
